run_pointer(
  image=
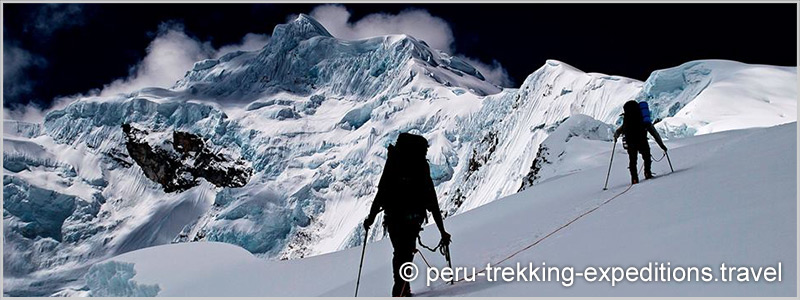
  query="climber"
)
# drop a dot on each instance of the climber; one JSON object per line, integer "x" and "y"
{"x": 405, "y": 193}
{"x": 636, "y": 123}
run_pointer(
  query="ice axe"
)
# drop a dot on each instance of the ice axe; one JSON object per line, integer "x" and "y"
{"x": 613, "y": 148}
{"x": 446, "y": 250}
{"x": 363, "y": 249}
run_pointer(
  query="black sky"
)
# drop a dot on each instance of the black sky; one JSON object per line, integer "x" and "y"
{"x": 86, "y": 49}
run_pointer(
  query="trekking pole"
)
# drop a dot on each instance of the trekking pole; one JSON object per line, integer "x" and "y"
{"x": 363, "y": 249}
{"x": 613, "y": 148}
{"x": 670, "y": 162}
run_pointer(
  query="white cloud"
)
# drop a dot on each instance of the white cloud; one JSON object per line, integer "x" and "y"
{"x": 18, "y": 62}
{"x": 493, "y": 72}
{"x": 32, "y": 112}
{"x": 415, "y": 22}
{"x": 250, "y": 42}
{"x": 29, "y": 113}
{"x": 169, "y": 56}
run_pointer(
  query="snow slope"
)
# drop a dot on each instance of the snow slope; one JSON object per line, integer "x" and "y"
{"x": 731, "y": 199}
{"x": 312, "y": 116}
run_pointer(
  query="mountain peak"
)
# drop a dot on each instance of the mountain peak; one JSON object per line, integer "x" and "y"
{"x": 559, "y": 64}
{"x": 302, "y": 27}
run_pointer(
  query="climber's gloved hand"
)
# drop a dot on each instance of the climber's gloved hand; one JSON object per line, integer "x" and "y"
{"x": 445, "y": 238}
{"x": 368, "y": 222}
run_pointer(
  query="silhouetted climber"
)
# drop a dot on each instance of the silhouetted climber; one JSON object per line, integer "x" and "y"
{"x": 636, "y": 124}
{"x": 405, "y": 193}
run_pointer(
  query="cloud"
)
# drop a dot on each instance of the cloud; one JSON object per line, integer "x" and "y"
{"x": 17, "y": 62}
{"x": 51, "y": 17}
{"x": 493, "y": 72}
{"x": 435, "y": 31}
{"x": 418, "y": 23}
{"x": 28, "y": 113}
{"x": 250, "y": 42}
{"x": 34, "y": 113}
{"x": 169, "y": 56}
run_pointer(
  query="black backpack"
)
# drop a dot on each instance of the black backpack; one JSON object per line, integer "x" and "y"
{"x": 633, "y": 125}
{"x": 406, "y": 180}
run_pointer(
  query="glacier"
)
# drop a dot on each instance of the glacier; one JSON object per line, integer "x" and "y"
{"x": 114, "y": 279}
{"x": 731, "y": 199}
{"x": 708, "y": 96}
{"x": 312, "y": 115}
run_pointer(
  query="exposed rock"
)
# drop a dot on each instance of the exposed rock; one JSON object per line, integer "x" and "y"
{"x": 533, "y": 175}
{"x": 178, "y": 169}
{"x": 185, "y": 142}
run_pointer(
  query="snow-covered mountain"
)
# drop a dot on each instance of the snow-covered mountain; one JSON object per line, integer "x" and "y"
{"x": 301, "y": 126}
{"x": 731, "y": 199}
{"x": 304, "y": 59}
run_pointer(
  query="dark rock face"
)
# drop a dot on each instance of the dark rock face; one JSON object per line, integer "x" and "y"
{"x": 481, "y": 155}
{"x": 483, "y": 152}
{"x": 185, "y": 142}
{"x": 533, "y": 175}
{"x": 178, "y": 169}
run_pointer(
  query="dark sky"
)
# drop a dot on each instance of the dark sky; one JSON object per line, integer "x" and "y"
{"x": 71, "y": 50}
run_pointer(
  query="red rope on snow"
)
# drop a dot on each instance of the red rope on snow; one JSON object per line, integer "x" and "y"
{"x": 552, "y": 232}
{"x": 559, "y": 228}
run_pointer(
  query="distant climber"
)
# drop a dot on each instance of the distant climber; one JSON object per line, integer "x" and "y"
{"x": 636, "y": 123}
{"x": 405, "y": 193}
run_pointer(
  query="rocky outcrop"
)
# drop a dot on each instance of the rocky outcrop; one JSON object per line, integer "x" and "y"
{"x": 533, "y": 175}
{"x": 178, "y": 167}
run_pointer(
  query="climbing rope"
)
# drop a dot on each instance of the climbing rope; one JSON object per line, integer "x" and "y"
{"x": 442, "y": 249}
{"x": 423, "y": 258}
{"x": 538, "y": 241}
{"x": 660, "y": 159}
